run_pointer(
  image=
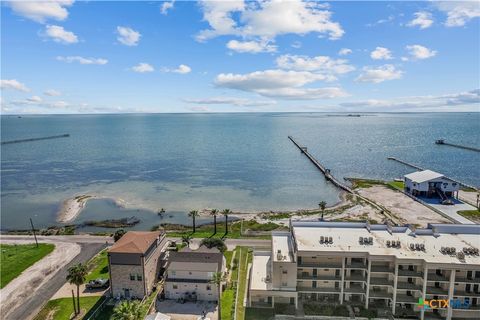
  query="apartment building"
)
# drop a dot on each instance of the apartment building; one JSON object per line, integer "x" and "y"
{"x": 393, "y": 269}
{"x": 134, "y": 263}
{"x": 190, "y": 273}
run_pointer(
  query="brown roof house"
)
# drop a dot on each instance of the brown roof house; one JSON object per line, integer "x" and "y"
{"x": 189, "y": 274}
{"x": 134, "y": 263}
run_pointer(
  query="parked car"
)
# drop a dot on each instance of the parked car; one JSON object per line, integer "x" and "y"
{"x": 97, "y": 284}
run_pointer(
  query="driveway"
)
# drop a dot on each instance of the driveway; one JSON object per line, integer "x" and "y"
{"x": 187, "y": 310}
{"x": 66, "y": 291}
{"x": 450, "y": 210}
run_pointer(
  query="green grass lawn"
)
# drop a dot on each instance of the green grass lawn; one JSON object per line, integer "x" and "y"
{"x": 396, "y": 185}
{"x": 259, "y": 314}
{"x": 17, "y": 258}
{"x": 228, "y": 302}
{"x": 234, "y": 230}
{"x": 62, "y": 309}
{"x": 473, "y": 214}
{"x": 228, "y": 257}
{"x": 244, "y": 258}
{"x": 98, "y": 266}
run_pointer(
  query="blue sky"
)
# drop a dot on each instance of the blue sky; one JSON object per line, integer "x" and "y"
{"x": 236, "y": 56}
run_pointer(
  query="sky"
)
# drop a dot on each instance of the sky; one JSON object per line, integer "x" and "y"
{"x": 70, "y": 56}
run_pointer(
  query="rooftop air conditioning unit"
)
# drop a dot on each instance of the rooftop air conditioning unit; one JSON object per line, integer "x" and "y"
{"x": 461, "y": 255}
{"x": 412, "y": 246}
{"x": 279, "y": 255}
{"x": 321, "y": 239}
{"x": 388, "y": 243}
{"x": 330, "y": 240}
{"x": 360, "y": 239}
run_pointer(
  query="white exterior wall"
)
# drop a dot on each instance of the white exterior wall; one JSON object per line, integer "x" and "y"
{"x": 447, "y": 185}
{"x": 204, "y": 291}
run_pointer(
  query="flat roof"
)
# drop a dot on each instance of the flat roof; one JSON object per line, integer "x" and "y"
{"x": 346, "y": 239}
{"x": 259, "y": 271}
{"x": 282, "y": 246}
{"x": 423, "y": 176}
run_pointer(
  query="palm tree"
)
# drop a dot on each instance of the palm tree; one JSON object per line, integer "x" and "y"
{"x": 322, "y": 206}
{"x": 77, "y": 276}
{"x": 186, "y": 238}
{"x": 225, "y": 213}
{"x": 217, "y": 279}
{"x": 128, "y": 310}
{"x": 193, "y": 214}
{"x": 214, "y": 213}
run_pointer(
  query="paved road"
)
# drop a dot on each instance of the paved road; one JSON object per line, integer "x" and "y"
{"x": 90, "y": 246}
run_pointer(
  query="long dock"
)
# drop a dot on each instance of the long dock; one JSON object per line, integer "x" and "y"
{"x": 441, "y": 141}
{"x": 324, "y": 170}
{"x": 66, "y": 135}
{"x": 421, "y": 169}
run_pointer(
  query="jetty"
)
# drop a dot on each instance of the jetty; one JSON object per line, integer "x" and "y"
{"x": 66, "y": 135}
{"x": 322, "y": 168}
{"x": 443, "y": 142}
{"x": 421, "y": 169}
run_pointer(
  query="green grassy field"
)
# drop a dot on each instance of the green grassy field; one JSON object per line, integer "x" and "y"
{"x": 62, "y": 309}
{"x": 228, "y": 301}
{"x": 400, "y": 185}
{"x": 17, "y": 258}
{"x": 245, "y": 258}
{"x": 472, "y": 214}
{"x": 98, "y": 266}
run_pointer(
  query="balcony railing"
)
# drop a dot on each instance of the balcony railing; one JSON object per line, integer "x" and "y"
{"x": 382, "y": 269}
{"x": 380, "y": 294}
{"x": 354, "y": 289}
{"x": 410, "y": 273}
{"x": 437, "y": 278}
{"x": 381, "y": 282}
{"x": 403, "y": 298}
{"x": 320, "y": 265}
{"x": 356, "y": 277}
{"x": 467, "y": 280}
{"x": 318, "y": 277}
{"x": 409, "y": 286}
{"x": 320, "y": 290}
{"x": 356, "y": 265}
{"x": 459, "y": 293}
{"x": 436, "y": 290}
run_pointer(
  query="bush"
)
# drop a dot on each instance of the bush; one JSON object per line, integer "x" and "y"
{"x": 214, "y": 243}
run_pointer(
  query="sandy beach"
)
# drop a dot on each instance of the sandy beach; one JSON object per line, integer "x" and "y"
{"x": 71, "y": 208}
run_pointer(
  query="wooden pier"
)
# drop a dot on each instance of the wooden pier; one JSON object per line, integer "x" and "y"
{"x": 441, "y": 141}
{"x": 36, "y": 139}
{"x": 421, "y": 169}
{"x": 324, "y": 170}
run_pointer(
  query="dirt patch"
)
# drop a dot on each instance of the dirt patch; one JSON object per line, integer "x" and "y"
{"x": 405, "y": 208}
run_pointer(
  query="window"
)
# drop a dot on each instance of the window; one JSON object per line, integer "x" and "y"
{"x": 175, "y": 286}
{"x": 284, "y": 284}
{"x": 284, "y": 271}
{"x": 209, "y": 287}
{"x": 190, "y": 273}
{"x": 132, "y": 277}
{"x": 173, "y": 273}
{"x": 139, "y": 277}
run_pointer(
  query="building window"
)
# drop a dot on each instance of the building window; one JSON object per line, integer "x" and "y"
{"x": 132, "y": 277}
{"x": 209, "y": 287}
{"x": 139, "y": 277}
{"x": 173, "y": 273}
{"x": 284, "y": 271}
{"x": 175, "y": 286}
{"x": 284, "y": 284}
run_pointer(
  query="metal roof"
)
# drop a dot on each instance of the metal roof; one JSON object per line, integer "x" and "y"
{"x": 422, "y": 176}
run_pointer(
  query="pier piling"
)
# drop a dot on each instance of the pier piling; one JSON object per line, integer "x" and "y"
{"x": 441, "y": 141}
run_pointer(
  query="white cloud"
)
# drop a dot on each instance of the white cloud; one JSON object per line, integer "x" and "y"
{"x": 34, "y": 99}
{"x": 128, "y": 36}
{"x": 38, "y": 101}
{"x": 52, "y": 93}
{"x": 182, "y": 69}
{"x": 344, "y": 51}
{"x": 458, "y": 12}
{"x": 267, "y": 19}
{"x": 381, "y": 53}
{"x": 13, "y": 84}
{"x": 59, "y": 34}
{"x": 251, "y": 46}
{"x": 232, "y": 101}
{"x": 422, "y": 19}
{"x": 319, "y": 64}
{"x": 40, "y": 11}
{"x": 166, "y": 6}
{"x": 381, "y": 21}
{"x": 279, "y": 84}
{"x": 379, "y": 74}
{"x": 418, "y": 52}
{"x": 143, "y": 67}
{"x": 82, "y": 60}
{"x": 429, "y": 103}
{"x": 296, "y": 45}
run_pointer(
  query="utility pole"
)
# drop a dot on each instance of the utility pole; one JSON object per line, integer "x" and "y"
{"x": 33, "y": 230}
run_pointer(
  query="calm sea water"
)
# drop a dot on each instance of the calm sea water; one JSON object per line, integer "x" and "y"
{"x": 191, "y": 161}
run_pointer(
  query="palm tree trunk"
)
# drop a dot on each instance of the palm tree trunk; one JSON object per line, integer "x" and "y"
{"x": 193, "y": 218}
{"x": 226, "y": 224}
{"x": 220, "y": 301}
{"x": 78, "y": 298}
{"x": 214, "y": 224}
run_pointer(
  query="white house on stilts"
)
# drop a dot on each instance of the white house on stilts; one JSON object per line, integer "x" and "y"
{"x": 431, "y": 184}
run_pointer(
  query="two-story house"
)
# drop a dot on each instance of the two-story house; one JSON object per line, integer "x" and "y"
{"x": 190, "y": 273}
{"x": 134, "y": 263}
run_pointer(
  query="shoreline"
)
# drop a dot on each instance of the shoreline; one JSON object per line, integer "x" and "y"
{"x": 72, "y": 207}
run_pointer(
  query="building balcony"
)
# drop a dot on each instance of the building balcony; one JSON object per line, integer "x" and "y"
{"x": 355, "y": 289}
{"x": 356, "y": 265}
{"x": 403, "y": 298}
{"x": 459, "y": 293}
{"x": 437, "y": 278}
{"x": 381, "y": 269}
{"x": 380, "y": 294}
{"x": 467, "y": 280}
{"x": 437, "y": 291}
{"x": 356, "y": 277}
{"x": 319, "y": 290}
{"x": 320, "y": 265}
{"x": 318, "y": 277}
{"x": 410, "y": 273}
{"x": 381, "y": 282}
{"x": 409, "y": 286}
